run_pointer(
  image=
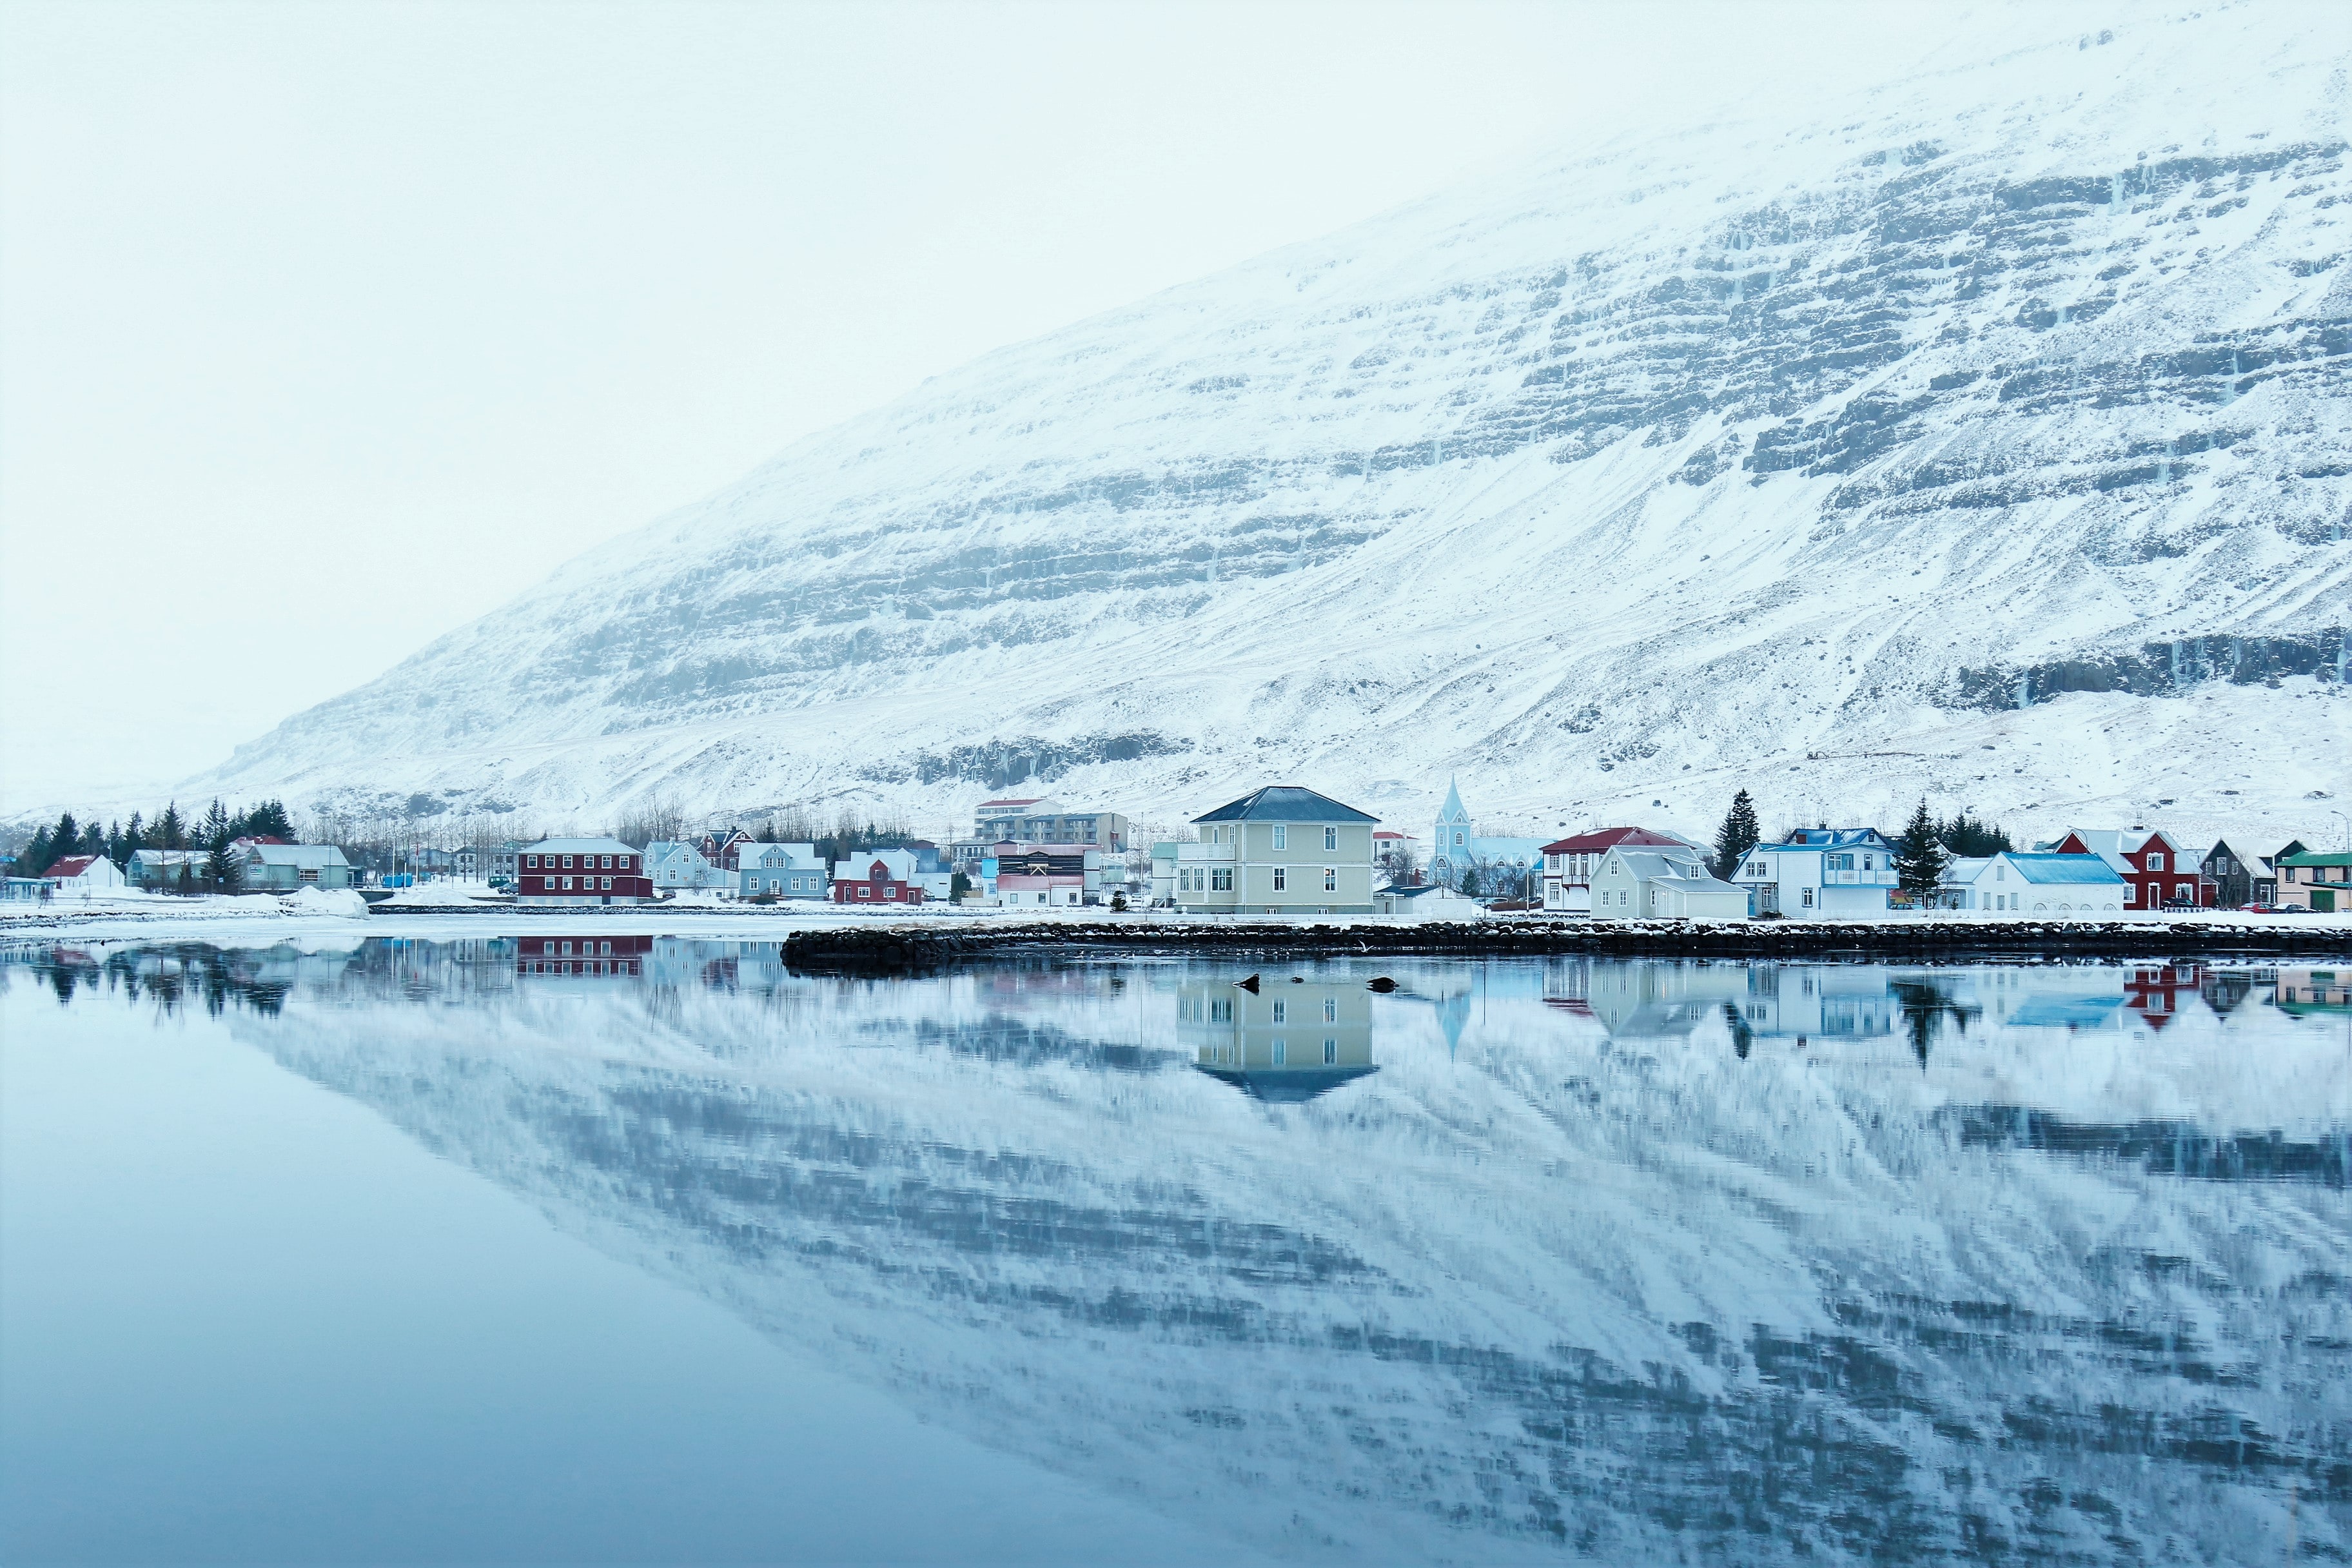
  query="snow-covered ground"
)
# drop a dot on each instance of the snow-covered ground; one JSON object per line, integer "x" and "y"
{"x": 1779, "y": 454}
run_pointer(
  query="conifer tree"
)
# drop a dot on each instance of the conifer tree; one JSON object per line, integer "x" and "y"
{"x": 1737, "y": 836}
{"x": 1919, "y": 855}
{"x": 171, "y": 833}
{"x": 37, "y": 855}
{"x": 220, "y": 860}
{"x": 65, "y": 839}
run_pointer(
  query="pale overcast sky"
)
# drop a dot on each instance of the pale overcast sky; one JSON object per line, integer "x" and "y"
{"x": 325, "y": 328}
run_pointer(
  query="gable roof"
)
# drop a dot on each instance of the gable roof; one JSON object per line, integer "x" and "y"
{"x": 2316, "y": 857}
{"x": 1830, "y": 839}
{"x": 1453, "y": 810}
{"x": 1608, "y": 838}
{"x": 69, "y": 867}
{"x": 304, "y": 856}
{"x": 581, "y": 846}
{"x": 1285, "y": 803}
{"x": 2049, "y": 868}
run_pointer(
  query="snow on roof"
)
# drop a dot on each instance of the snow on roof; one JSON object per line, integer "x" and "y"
{"x": 1829, "y": 839}
{"x": 2316, "y": 857}
{"x": 579, "y": 847}
{"x": 2063, "y": 867}
{"x": 307, "y": 857}
{"x": 72, "y": 865}
{"x": 1011, "y": 804}
{"x": 1285, "y": 803}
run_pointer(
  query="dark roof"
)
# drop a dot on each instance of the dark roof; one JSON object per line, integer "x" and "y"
{"x": 1285, "y": 803}
{"x": 1609, "y": 838}
{"x": 1287, "y": 1086}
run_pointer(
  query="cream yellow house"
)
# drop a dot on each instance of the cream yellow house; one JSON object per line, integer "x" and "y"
{"x": 1282, "y": 850}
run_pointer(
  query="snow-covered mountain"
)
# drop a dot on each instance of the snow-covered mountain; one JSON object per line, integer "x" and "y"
{"x": 1611, "y": 1278}
{"x": 1796, "y": 455}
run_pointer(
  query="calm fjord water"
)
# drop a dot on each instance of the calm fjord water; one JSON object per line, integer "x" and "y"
{"x": 494, "y": 1250}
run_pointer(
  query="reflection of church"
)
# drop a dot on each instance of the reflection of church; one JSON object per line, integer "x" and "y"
{"x": 1456, "y": 846}
{"x": 1288, "y": 1041}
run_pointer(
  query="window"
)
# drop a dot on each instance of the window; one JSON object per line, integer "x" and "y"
{"x": 1220, "y": 1010}
{"x": 1808, "y": 899}
{"x": 1281, "y": 875}
{"x": 2131, "y": 893}
{"x": 1281, "y": 835}
{"x": 607, "y": 883}
{"x": 2184, "y": 892}
{"x": 1281, "y": 1011}
{"x": 531, "y": 862}
{"x": 891, "y": 890}
{"x": 1330, "y": 1051}
{"x": 864, "y": 891}
{"x": 567, "y": 862}
{"x": 2155, "y": 861}
{"x": 605, "y": 947}
{"x": 1331, "y": 879}
{"x": 1330, "y": 838}
{"x": 1457, "y": 840}
{"x": 1330, "y": 1009}
{"x": 567, "y": 884}
{"x": 1220, "y": 880}
{"x": 1281, "y": 1053}
{"x": 1865, "y": 862}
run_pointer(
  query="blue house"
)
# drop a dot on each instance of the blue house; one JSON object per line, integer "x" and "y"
{"x": 782, "y": 871}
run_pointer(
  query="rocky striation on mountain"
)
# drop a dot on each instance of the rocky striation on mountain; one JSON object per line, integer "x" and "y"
{"x": 1984, "y": 435}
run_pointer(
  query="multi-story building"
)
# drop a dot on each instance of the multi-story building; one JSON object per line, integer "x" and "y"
{"x": 2157, "y": 873}
{"x": 2015, "y": 883}
{"x": 1048, "y": 874}
{"x": 782, "y": 871}
{"x": 1569, "y": 864}
{"x": 2318, "y": 882}
{"x": 1278, "y": 850}
{"x": 578, "y": 872}
{"x": 1033, "y": 819}
{"x": 1820, "y": 871}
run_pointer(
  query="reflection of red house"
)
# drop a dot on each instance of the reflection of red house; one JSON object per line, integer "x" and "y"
{"x": 2155, "y": 870}
{"x": 582, "y": 955}
{"x": 2156, "y": 994}
{"x": 877, "y": 888}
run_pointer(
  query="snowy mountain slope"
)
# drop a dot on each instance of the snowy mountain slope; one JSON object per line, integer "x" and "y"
{"x": 1532, "y": 1282}
{"x": 1786, "y": 454}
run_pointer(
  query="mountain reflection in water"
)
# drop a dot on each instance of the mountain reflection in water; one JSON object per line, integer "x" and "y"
{"x": 1641, "y": 1260}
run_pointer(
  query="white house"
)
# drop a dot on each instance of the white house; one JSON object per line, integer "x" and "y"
{"x": 1662, "y": 883}
{"x": 287, "y": 868}
{"x": 162, "y": 868}
{"x": 84, "y": 877}
{"x": 1820, "y": 871}
{"x": 1433, "y": 903}
{"x": 2045, "y": 885}
{"x": 782, "y": 871}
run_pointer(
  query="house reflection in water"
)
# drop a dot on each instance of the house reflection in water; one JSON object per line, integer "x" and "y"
{"x": 1287, "y": 1043}
{"x": 605, "y": 955}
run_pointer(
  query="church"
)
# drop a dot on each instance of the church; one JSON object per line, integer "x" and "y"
{"x": 1456, "y": 847}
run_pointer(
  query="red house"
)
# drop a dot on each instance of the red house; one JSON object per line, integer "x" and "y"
{"x": 575, "y": 872}
{"x": 883, "y": 883}
{"x": 2157, "y": 873}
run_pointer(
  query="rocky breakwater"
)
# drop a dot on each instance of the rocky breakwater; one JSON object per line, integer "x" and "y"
{"x": 888, "y": 948}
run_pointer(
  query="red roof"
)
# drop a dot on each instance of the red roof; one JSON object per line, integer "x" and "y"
{"x": 1609, "y": 838}
{"x": 70, "y": 866}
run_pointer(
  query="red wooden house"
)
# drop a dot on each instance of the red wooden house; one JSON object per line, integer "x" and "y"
{"x": 2157, "y": 872}
{"x": 883, "y": 883}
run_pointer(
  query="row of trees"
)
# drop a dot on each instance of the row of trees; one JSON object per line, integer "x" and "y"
{"x": 214, "y": 833}
{"x": 1927, "y": 845}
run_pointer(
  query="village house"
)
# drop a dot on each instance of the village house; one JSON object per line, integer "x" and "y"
{"x": 1569, "y": 864}
{"x": 722, "y": 847}
{"x": 1278, "y": 850}
{"x": 2157, "y": 873}
{"x": 679, "y": 866}
{"x": 887, "y": 877}
{"x": 1432, "y": 902}
{"x": 160, "y": 868}
{"x": 1820, "y": 871}
{"x": 2241, "y": 874}
{"x": 571, "y": 873}
{"x": 2319, "y": 882}
{"x": 84, "y": 877}
{"x": 1047, "y": 874}
{"x": 1653, "y": 882}
{"x": 782, "y": 871}
{"x": 267, "y": 867}
{"x": 2015, "y": 882}
{"x": 1457, "y": 849}
{"x": 1033, "y": 819}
